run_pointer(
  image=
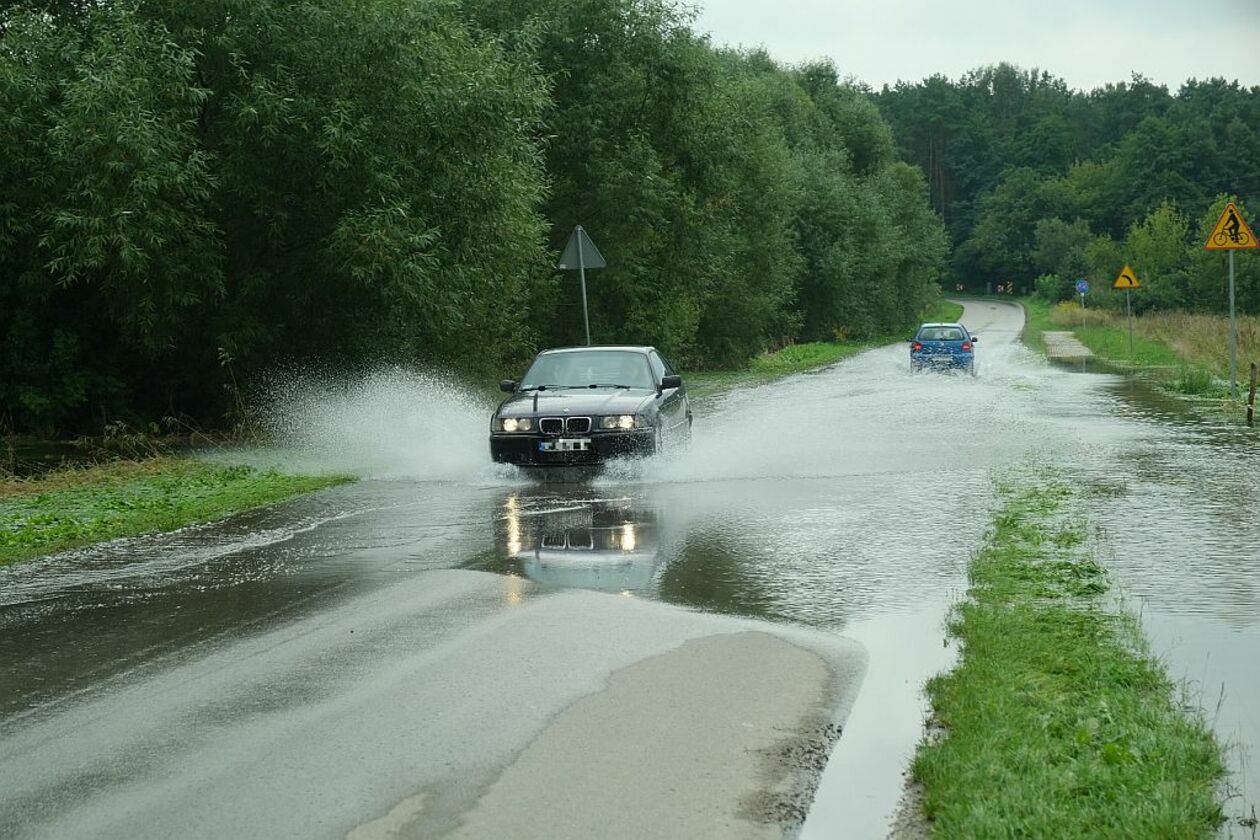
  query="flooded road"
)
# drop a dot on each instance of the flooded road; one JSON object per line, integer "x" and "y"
{"x": 416, "y": 653}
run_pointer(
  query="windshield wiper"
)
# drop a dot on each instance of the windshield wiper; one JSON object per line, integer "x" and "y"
{"x": 604, "y": 385}
{"x": 550, "y": 388}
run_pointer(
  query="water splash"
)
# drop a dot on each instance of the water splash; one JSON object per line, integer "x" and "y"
{"x": 392, "y": 423}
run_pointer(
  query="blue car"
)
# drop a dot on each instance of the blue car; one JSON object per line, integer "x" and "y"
{"x": 943, "y": 347}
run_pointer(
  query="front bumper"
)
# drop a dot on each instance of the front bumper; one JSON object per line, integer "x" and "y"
{"x": 522, "y": 449}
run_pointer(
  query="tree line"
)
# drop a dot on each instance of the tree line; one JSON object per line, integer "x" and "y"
{"x": 1041, "y": 185}
{"x": 195, "y": 193}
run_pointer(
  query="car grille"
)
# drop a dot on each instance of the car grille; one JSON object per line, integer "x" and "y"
{"x": 551, "y": 425}
{"x": 579, "y": 425}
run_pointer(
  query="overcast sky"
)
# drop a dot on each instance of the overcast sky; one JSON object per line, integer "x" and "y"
{"x": 1085, "y": 42}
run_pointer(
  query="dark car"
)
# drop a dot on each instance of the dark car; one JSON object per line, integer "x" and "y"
{"x": 943, "y": 346}
{"x": 586, "y": 405}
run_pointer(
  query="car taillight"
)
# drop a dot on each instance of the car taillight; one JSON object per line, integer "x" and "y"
{"x": 916, "y": 347}
{"x": 967, "y": 346}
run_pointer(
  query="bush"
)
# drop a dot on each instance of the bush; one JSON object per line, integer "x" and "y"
{"x": 1052, "y": 289}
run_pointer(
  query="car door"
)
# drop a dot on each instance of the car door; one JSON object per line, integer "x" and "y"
{"x": 675, "y": 408}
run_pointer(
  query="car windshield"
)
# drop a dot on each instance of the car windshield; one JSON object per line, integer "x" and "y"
{"x": 589, "y": 368}
{"x": 941, "y": 334}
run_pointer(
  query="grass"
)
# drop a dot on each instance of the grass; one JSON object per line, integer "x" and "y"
{"x": 1058, "y": 722}
{"x": 798, "y": 358}
{"x": 77, "y": 506}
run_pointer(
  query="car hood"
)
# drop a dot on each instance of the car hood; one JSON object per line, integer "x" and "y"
{"x": 582, "y": 402}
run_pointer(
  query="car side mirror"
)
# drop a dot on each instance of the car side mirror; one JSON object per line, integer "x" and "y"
{"x": 668, "y": 382}
{"x": 975, "y": 338}
{"x": 508, "y": 385}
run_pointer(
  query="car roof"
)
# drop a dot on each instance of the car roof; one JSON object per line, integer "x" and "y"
{"x": 941, "y": 324}
{"x": 621, "y": 347}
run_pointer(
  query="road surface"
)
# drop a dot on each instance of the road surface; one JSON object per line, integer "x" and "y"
{"x": 447, "y": 649}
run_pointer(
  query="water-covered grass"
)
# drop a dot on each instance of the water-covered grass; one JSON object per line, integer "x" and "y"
{"x": 1058, "y": 722}
{"x": 77, "y": 506}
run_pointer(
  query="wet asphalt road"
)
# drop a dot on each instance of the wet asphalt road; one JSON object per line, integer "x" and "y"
{"x": 448, "y": 649}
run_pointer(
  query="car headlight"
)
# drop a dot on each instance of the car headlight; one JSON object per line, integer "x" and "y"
{"x": 517, "y": 424}
{"x": 618, "y": 421}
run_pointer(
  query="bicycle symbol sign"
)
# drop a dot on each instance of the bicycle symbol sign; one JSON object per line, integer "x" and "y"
{"x": 1230, "y": 232}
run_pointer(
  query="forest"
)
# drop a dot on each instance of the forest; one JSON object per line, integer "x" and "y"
{"x": 195, "y": 194}
{"x": 1040, "y": 185}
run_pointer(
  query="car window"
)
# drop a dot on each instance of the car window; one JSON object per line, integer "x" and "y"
{"x": 941, "y": 334}
{"x": 658, "y": 365}
{"x": 583, "y": 368}
{"x": 669, "y": 369}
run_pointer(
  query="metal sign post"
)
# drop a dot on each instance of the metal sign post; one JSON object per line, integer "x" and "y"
{"x": 580, "y": 253}
{"x": 1128, "y": 281}
{"x": 1128, "y": 306}
{"x": 1233, "y": 334}
{"x": 1082, "y": 286}
{"x": 586, "y": 314}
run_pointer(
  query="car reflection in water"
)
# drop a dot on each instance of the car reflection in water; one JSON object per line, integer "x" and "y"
{"x": 589, "y": 542}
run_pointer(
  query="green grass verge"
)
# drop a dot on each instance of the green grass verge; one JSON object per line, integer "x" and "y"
{"x": 1036, "y": 321}
{"x": 798, "y": 358}
{"x": 1058, "y": 722}
{"x": 79, "y": 506}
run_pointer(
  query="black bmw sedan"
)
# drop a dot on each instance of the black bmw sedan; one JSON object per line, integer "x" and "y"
{"x": 585, "y": 405}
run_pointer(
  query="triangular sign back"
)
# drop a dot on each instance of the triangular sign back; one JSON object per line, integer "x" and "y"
{"x": 590, "y": 256}
{"x": 1126, "y": 280}
{"x": 1230, "y": 232}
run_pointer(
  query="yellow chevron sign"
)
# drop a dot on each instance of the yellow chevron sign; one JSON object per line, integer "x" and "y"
{"x": 1126, "y": 280}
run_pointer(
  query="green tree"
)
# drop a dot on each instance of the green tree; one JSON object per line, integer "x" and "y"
{"x": 1208, "y": 272}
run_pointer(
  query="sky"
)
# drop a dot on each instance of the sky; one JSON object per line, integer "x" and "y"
{"x": 1085, "y": 43}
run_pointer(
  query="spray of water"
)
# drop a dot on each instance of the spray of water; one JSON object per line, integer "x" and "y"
{"x": 841, "y": 421}
{"x": 391, "y": 423}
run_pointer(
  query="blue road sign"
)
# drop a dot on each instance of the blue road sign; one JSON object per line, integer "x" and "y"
{"x": 1082, "y": 287}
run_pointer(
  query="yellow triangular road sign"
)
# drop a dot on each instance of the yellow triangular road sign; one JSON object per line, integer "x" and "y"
{"x": 1230, "y": 232}
{"x": 1127, "y": 279}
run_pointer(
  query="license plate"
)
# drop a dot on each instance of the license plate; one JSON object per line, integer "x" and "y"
{"x": 565, "y": 445}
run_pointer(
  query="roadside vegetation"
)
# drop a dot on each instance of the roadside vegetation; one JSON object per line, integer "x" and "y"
{"x": 1058, "y": 722}
{"x": 197, "y": 194}
{"x": 77, "y": 506}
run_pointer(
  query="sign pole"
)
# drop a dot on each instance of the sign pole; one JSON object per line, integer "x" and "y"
{"x": 581, "y": 253}
{"x": 1128, "y": 306}
{"x": 586, "y": 317}
{"x": 1082, "y": 310}
{"x": 1233, "y": 334}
